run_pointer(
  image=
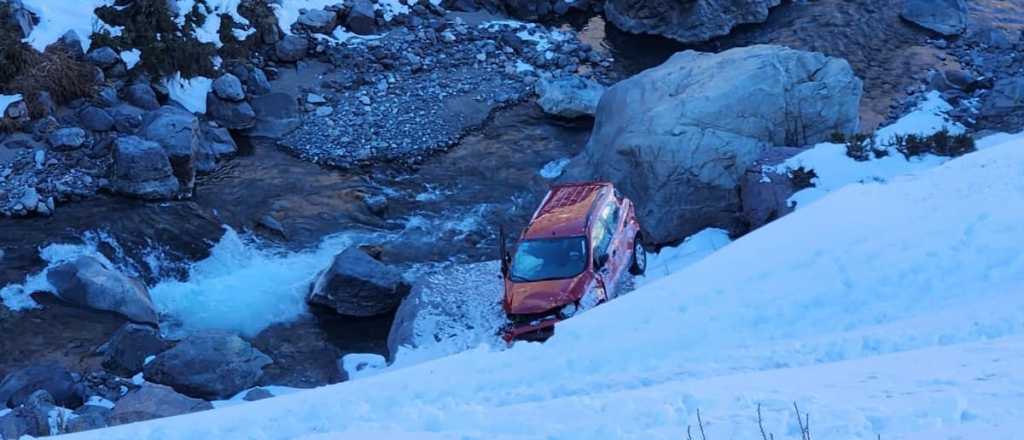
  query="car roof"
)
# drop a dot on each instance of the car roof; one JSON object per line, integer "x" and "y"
{"x": 566, "y": 210}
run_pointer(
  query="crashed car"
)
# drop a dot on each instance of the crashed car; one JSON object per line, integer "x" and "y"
{"x": 573, "y": 256}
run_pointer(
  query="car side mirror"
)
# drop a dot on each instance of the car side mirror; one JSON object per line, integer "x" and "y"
{"x": 506, "y": 257}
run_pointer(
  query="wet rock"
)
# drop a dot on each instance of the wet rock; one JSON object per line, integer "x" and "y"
{"x": 29, "y": 198}
{"x": 31, "y": 419}
{"x": 303, "y": 355}
{"x": 89, "y": 282}
{"x": 103, "y": 57}
{"x": 947, "y": 17}
{"x": 229, "y": 88}
{"x": 88, "y": 418}
{"x": 357, "y": 285}
{"x": 277, "y": 114}
{"x": 361, "y": 18}
{"x": 57, "y": 381}
{"x": 318, "y": 21}
{"x": 153, "y": 401}
{"x": 142, "y": 169}
{"x": 291, "y": 48}
{"x": 177, "y": 131}
{"x": 680, "y": 151}
{"x": 211, "y": 365}
{"x": 569, "y": 97}
{"x": 257, "y": 394}
{"x": 67, "y": 139}
{"x": 215, "y": 145}
{"x": 141, "y": 96}
{"x": 693, "y": 21}
{"x": 233, "y": 115}
{"x": 128, "y": 349}
{"x": 765, "y": 192}
{"x": 95, "y": 119}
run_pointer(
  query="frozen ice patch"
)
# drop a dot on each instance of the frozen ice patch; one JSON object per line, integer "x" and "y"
{"x": 6, "y": 101}
{"x": 131, "y": 57}
{"x": 555, "y": 168}
{"x": 190, "y": 93}
{"x": 673, "y": 259}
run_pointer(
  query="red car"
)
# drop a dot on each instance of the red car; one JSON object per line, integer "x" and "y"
{"x": 572, "y": 256}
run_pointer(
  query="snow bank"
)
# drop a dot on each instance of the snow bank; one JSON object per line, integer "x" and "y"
{"x": 58, "y": 17}
{"x": 6, "y": 101}
{"x": 243, "y": 286}
{"x": 883, "y": 309}
{"x": 190, "y": 93}
{"x": 673, "y": 259}
{"x": 835, "y": 169}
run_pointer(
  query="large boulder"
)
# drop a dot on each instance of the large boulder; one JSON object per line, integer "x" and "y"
{"x": 228, "y": 87}
{"x": 142, "y": 169}
{"x": 1003, "y": 106}
{"x": 318, "y": 20}
{"x": 96, "y": 119}
{"x": 569, "y": 97}
{"x": 277, "y": 114}
{"x": 686, "y": 21}
{"x": 177, "y": 131}
{"x": 30, "y": 419}
{"x": 142, "y": 96}
{"x": 450, "y": 311}
{"x": 947, "y": 17}
{"x": 126, "y": 352}
{"x": 215, "y": 145}
{"x": 357, "y": 285}
{"x": 212, "y": 365}
{"x": 233, "y": 115}
{"x": 677, "y": 138}
{"x": 19, "y": 385}
{"x": 153, "y": 402}
{"x": 90, "y": 282}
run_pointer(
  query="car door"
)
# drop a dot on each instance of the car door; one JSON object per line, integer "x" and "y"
{"x": 610, "y": 242}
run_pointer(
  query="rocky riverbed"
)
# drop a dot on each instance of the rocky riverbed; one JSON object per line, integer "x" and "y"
{"x": 412, "y": 139}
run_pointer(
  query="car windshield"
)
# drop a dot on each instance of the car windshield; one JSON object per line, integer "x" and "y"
{"x": 549, "y": 259}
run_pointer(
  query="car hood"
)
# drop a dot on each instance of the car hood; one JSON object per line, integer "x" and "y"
{"x": 541, "y": 296}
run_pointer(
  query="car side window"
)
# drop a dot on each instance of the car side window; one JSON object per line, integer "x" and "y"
{"x": 603, "y": 231}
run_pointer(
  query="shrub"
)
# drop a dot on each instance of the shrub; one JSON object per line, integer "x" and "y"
{"x": 150, "y": 27}
{"x": 802, "y": 178}
{"x": 942, "y": 143}
{"x": 15, "y": 55}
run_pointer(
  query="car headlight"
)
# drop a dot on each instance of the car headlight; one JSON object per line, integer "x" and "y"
{"x": 568, "y": 311}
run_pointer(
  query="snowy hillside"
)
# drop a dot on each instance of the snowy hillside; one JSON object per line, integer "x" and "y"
{"x": 900, "y": 316}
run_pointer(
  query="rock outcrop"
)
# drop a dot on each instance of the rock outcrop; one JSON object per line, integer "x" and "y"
{"x": 142, "y": 169}
{"x": 357, "y": 285}
{"x": 947, "y": 17}
{"x": 213, "y": 365}
{"x": 177, "y": 131}
{"x": 90, "y": 282}
{"x": 153, "y": 401}
{"x": 686, "y": 21}
{"x": 569, "y": 97}
{"x": 696, "y": 123}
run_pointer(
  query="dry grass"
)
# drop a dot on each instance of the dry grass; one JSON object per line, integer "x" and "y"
{"x": 57, "y": 72}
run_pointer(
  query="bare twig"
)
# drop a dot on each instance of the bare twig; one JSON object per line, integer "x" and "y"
{"x": 688, "y": 435}
{"x": 700, "y": 423}
{"x": 760, "y": 424}
{"x": 805, "y": 423}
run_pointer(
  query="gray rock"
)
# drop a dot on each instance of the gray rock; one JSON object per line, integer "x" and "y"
{"x": 143, "y": 169}
{"x": 233, "y": 115}
{"x": 153, "y": 402}
{"x": 19, "y": 385}
{"x": 29, "y": 198}
{"x": 67, "y": 139}
{"x": 277, "y": 114}
{"x": 257, "y": 394}
{"x": 96, "y": 119}
{"x": 228, "y": 87}
{"x": 318, "y": 21}
{"x": 764, "y": 192}
{"x": 106, "y": 96}
{"x": 291, "y": 48}
{"x": 177, "y": 131}
{"x": 569, "y": 97}
{"x": 22, "y": 17}
{"x": 93, "y": 283}
{"x": 127, "y": 350}
{"x": 947, "y": 17}
{"x": 361, "y": 18}
{"x": 88, "y": 418}
{"x": 141, "y": 96}
{"x": 127, "y": 118}
{"x": 258, "y": 82}
{"x": 211, "y": 365}
{"x": 215, "y": 145}
{"x": 25, "y": 421}
{"x": 693, "y": 128}
{"x": 72, "y": 43}
{"x": 103, "y": 57}
{"x": 691, "y": 21}
{"x": 357, "y": 285}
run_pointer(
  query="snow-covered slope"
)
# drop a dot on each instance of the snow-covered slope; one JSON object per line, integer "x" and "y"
{"x": 891, "y": 309}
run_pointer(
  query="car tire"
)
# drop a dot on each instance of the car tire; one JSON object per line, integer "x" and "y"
{"x": 639, "y": 264}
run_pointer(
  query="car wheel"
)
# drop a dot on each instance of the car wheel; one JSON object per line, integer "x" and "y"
{"x": 639, "y": 265}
